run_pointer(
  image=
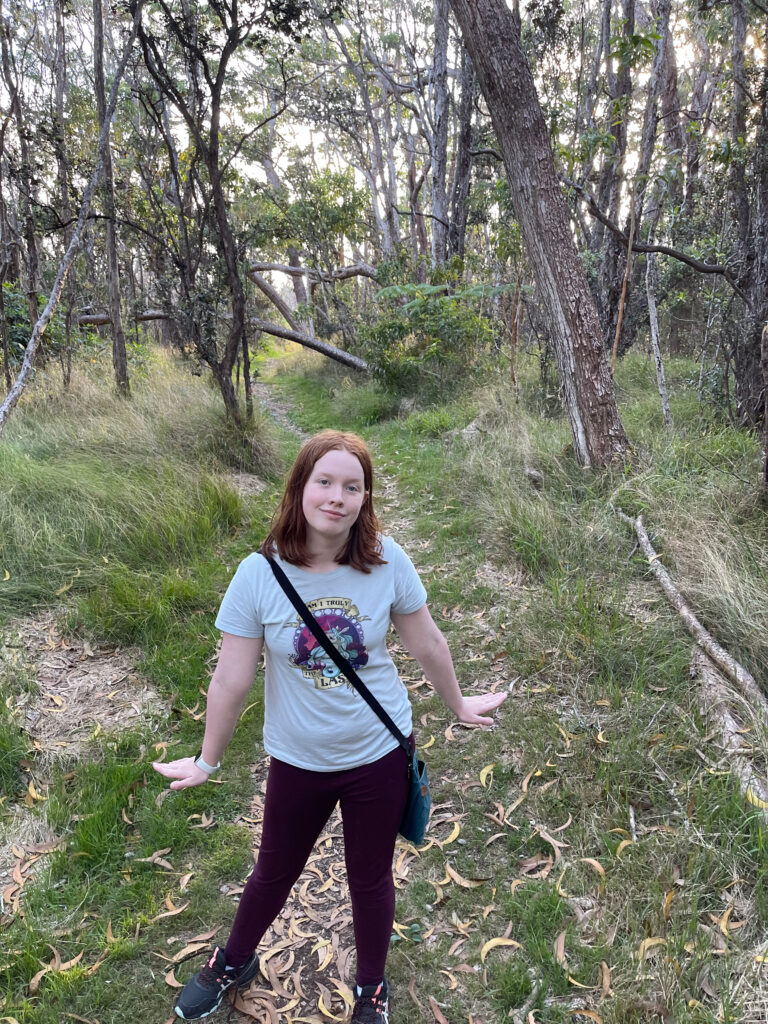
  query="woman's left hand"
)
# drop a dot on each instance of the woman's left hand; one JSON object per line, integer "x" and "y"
{"x": 473, "y": 709}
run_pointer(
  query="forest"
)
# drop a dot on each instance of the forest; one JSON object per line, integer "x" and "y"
{"x": 522, "y": 248}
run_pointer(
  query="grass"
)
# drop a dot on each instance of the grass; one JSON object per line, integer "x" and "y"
{"x": 601, "y": 745}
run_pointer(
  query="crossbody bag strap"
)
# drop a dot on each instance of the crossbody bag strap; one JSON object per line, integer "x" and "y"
{"x": 339, "y": 661}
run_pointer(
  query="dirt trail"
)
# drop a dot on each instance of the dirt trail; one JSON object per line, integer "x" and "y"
{"x": 77, "y": 692}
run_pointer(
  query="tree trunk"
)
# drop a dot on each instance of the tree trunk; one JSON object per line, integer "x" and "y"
{"x": 23, "y": 129}
{"x": 63, "y": 176}
{"x": 650, "y": 286}
{"x": 119, "y": 356}
{"x": 439, "y": 89}
{"x": 463, "y": 173}
{"x": 611, "y": 181}
{"x": 751, "y": 225}
{"x": 492, "y": 35}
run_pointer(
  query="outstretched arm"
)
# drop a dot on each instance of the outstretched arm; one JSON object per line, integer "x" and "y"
{"x": 428, "y": 646}
{"x": 231, "y": 681}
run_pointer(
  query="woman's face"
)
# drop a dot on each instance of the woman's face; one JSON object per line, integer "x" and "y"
{"x": 333, "y": 496}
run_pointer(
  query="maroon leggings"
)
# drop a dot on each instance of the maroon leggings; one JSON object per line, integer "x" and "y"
{"x": 298, "y": 803}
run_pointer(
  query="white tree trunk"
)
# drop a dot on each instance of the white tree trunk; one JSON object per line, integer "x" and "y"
{"x": 653, "y": 316}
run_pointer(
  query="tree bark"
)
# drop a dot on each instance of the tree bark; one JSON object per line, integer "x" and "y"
{"x": 23, "y": 129}
{"x": 653, "y": 317}
{"x": 439, "y": 90}
{"x": 749, "y": 180}
{"x": 119, "y": 355}
{"x": 492, "y": 35}
{"x": 63, "y": 176}
{"x": 463, "y": 173}
{"x": 612, "y": 177}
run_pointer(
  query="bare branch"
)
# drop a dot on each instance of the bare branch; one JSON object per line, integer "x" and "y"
{"x": 337, "y": 274}
{"x": 666, "y": 250}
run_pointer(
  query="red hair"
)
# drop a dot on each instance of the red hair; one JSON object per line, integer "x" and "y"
{"x": 288, "y": 533}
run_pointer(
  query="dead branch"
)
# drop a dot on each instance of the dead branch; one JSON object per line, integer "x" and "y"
{"x": 665, "y": 250}
{"x": 102, "y": 319}
{"x": 337, "y": 274}
{"x": 27, "y": 365}
{"x": 716, "y": 698}
{"x": 277, "y": 301}
{"x": 727, "y": 664}
{"x": 314, "y": 343}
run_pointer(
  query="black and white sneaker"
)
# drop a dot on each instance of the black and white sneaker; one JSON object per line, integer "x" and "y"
{"x": 204, "y": 992}
{"x": 371, "y": 1004}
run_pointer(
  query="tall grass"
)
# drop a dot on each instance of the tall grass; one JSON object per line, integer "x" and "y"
{"x": 91, "y": 482}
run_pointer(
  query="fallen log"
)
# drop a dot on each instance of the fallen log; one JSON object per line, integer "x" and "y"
{"x": 727, "y": 664}
{"x": 716, "y": 698}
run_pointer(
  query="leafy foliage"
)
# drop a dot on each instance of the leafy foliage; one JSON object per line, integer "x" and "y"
{"x": 428, "y": 339}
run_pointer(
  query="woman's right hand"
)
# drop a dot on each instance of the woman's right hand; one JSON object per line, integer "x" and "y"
{"x": 184, "y": 771}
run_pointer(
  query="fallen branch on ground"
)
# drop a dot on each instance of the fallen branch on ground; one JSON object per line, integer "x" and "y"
{"x": 714, "y": 700}
{"x": 727, "y": 664}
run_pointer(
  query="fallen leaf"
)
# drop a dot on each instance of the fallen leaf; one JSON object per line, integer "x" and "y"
{"x": 622, "y": 846}
{"x": 723, "y": 922}
{"x": 412, "y": 993}
{"x": 605, "y": 979}
{"x": 560, "y": 891}
{"x": 647, "y": 945}
{"x": 594, "y": 864}
{"x": 455, "y": 831}
{"x": 755, "y": 800}
{"x": 466, "y": 883}
{"x": 436, "y": 1011}
{"x": 559, "y": 950}
{"x": 494, "y": 944}
{"x": 170, "y": 979}
{"x": 487, "y": 773}
{"x": 169, "y": 913}
{"x": 668, "y": 903}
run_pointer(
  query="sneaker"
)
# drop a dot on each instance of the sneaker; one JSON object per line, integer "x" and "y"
{"x": 204, "y": 992}
{"x": 371, "y": 1004}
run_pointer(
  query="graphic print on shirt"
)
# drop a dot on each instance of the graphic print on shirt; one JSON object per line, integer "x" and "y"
{"x": 340, "y": 620}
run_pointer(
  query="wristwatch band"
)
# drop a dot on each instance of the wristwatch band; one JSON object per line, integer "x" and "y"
{"x": 204, "y": 766}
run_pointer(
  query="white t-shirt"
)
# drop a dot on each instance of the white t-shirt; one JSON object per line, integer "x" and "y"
{"x": 313, "y": 718}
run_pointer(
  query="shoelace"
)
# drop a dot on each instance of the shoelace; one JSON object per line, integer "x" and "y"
{"x": 368, "y": 1009}
{"x": 209, "y": 976}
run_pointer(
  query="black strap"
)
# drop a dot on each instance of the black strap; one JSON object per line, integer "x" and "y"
{"x": 339, "y": 661}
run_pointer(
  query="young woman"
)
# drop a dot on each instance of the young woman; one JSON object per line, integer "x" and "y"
{"x": 326, "y": 745}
